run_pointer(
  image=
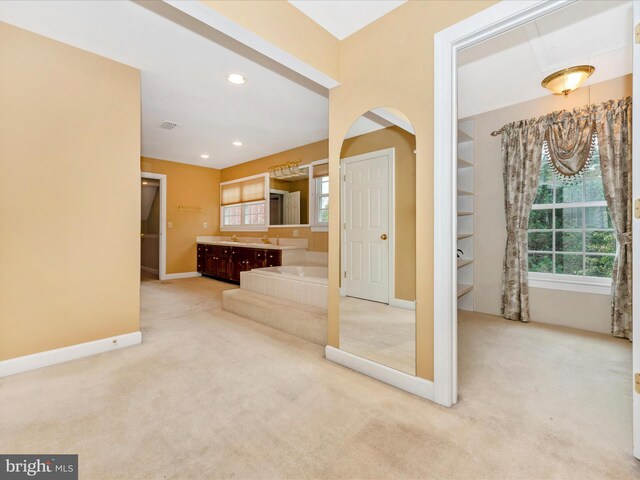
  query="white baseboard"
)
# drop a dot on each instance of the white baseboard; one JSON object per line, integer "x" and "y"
{"x": 406, "y": 304}
{"x": 64, "y": 354}
{"x": 149, "y": 269}
{"x": 176, "y": 276}
{"x": 409, "y": 383}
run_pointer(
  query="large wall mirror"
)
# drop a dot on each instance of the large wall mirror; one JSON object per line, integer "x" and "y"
{"x": 378, "y": 233}
{"x": 289, "y": 195}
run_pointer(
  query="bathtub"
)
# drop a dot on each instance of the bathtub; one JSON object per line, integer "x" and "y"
{"x": 301, "y": 284}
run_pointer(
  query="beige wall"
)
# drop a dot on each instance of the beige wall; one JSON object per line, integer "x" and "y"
{"x": 69, "y": 195}
{"x": 573, "y": 309}
{"x": 286, "y": 27}
{"x": 191, "y": 186}
{"x": 318, "y": 241}
{"x": 390, "y": 64}
{"x": 405, "y": 199}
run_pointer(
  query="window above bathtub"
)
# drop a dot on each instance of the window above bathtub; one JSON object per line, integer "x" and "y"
{"x": 243, "y": 205}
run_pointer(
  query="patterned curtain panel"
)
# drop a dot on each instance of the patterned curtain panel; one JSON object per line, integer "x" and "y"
{"x": 570, "y": 138}
{"x": 613, "y": 123}
{"x": 521, "y": 160}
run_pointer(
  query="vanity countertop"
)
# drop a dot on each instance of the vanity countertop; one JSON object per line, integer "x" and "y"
{"x": 266, "y": 246}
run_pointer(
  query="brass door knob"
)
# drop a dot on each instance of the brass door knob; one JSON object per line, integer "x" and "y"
{"x": 383, "y": 236}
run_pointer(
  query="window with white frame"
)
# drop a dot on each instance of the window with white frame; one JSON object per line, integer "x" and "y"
{"x": 570, "y": 232}
{"x": 321, "y": 192}
{"x": 243, "y": 204}
{"x": 322, "y": 200}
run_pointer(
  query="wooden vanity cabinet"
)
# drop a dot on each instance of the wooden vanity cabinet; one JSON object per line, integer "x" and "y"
{"x": 226, "y": 262}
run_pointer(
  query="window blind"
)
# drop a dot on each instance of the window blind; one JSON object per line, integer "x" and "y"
{"x": 246, "y": 191}
{"x": 321, "y": 170}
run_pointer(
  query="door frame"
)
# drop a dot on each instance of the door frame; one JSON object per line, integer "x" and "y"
{"x": 488, "y": 23}
{"x": 162, "y": 261}
{"x": 635, "y": 229}
{"x": 391, "y": 160}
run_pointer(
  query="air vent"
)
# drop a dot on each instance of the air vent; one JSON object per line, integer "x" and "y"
{"x": 168, "y": 125}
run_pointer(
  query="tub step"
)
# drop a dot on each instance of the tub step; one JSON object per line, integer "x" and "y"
{"x": 304, "y": 321}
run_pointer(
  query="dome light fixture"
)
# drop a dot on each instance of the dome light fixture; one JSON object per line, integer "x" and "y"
{"x": 563, "y": 82}
{"x": 204, "y": 155}
{"x": 236, "y": 79}
{"x": 236, "y": 143}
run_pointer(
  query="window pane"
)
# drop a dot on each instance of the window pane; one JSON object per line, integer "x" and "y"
{"x": 541, "y": 241}
{"x": 324, "y": 186}
{"x": 597, "y": 217}
{"x": 568, "y": 264}
{"x": 569, "y": 217}
{"x": 599, "y": 265}
{"x": 546, "y": 172}
{"x": 541, "y": 262}
{"x": 544, "y": 195}
{"x": 540, "y": 219}
{"x": 254, "y": 214}
{"x": 323, "y": 216}
{"x": 569, "y": 193}
{"x": 569, "y": 242}
{"x": 594, "y": 190}
{"x": 593, "y": 170}
{"x": 601, "y": 242}
{"x": 324, "y": 203}
{"x": 232, "y": 215}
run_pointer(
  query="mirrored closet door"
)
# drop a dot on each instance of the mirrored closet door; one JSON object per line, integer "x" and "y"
{"x": 377, "y": 284}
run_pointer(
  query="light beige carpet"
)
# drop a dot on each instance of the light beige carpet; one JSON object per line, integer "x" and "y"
{"x": 212, "y": 395}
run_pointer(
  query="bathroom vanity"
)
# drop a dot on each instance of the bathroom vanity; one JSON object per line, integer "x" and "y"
{"x": 224, "y": 260}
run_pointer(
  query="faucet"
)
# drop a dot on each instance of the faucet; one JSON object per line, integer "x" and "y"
{"x": 234, "y": 238}
{"x": 265, "y": 239}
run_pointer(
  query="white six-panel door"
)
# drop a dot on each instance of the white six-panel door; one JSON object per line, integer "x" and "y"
{"x": 366, "y": 226}
{"x": 291, "y": 208}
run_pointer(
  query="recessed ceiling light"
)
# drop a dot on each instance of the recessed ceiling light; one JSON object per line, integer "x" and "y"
{"x": 237, "y": 143}
{"x": 145, "y": 183}
{"x": 204, "y": 155}
{"x": 236, "y": 79}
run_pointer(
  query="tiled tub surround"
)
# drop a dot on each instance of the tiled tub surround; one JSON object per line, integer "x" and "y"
{"x": 300, "y": 284}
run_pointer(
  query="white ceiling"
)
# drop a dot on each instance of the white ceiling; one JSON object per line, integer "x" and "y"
{"x": 344, "y": 17}
{"x": 508, "y": 69}
{"x": 184, "y": 68}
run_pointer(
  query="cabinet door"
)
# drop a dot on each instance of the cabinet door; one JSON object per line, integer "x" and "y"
{"x": 209, "y": 264}
{"x": 273, "y": 258}
{"x": 261, "y": 258}
{"x": 200, "y": 259}
{"x": 242, "y": 261}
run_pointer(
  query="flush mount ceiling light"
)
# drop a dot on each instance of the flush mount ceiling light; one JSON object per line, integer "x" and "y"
{"x": 566, "y": 81}
{"x": 145, "y": 183}
{"x": 236, "y": 79}
{"x": 236, "y": 143}
{"x": 204, "y": 155}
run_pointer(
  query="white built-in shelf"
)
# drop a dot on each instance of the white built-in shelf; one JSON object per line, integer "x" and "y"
{"x": 465, "y": 210}
{"x": 463, "y": 136}
{"x": 462, "y": 163}
{"x": 463, "y": 262}
{"x": 463, "y": 289}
